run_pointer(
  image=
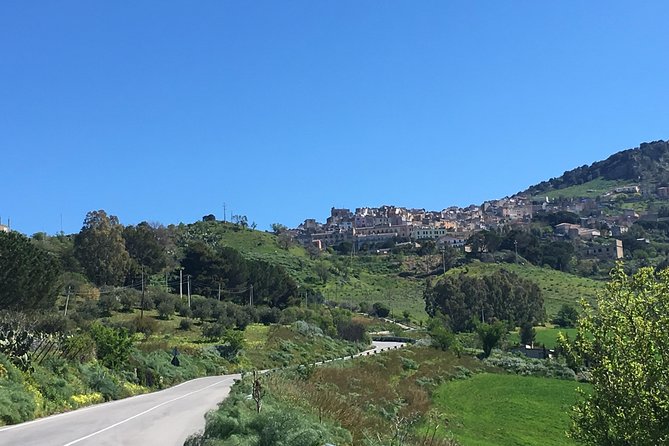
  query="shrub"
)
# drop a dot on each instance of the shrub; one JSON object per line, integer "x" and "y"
{"x": 100, "y": 380}
{"x": 108, "y": 303}
{"x": 51, "y": 322}
{"x": 79, "y": 347}
{"x": 165, "y": 309}
{"x": 183, "y": 309}
{"x": 380, "y": 309}
{"x": 87, "y": 311}
{"x": 185, "y": 324}
{"x": 113, "y": 346}
{"x": 267, "y": 315}
{"x": 145, "y": 325}
{"x": 408, "y": 363}
{"x": 213, "y": 332}
{"x": 352, "y": 331}
{"x": 16, "y": 403}
{"x": 129, "y": 299}
{"x": 307, "y": 329}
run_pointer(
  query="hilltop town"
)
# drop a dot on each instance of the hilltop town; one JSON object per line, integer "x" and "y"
{"x": 600, "y": 222}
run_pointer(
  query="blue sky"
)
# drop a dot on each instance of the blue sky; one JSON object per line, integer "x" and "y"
{"x": 163, "y": 111}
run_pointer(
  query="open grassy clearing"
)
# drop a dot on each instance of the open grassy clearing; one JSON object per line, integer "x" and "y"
{"x": 558, "y": 288}
{"x": 498, "y": 410}
{"x": 398, "y": 293}
{"x": 591, "y": 189}
{"x": 545, "y": 336}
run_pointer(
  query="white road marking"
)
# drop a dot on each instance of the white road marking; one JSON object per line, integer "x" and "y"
{"x": 145, "y": 412}
{"x": 93, "y": 406}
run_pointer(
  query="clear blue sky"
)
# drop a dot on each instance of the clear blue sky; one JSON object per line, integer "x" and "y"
{"x": 163, "y": 111}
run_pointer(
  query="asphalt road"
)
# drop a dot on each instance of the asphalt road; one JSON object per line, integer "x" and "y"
{"x": 163, "y": 418}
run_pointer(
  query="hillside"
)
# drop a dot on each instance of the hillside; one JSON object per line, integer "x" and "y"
{"x": 557, "y": 288}
{"x": 646, "y": 165}
{"x": 351, "y": 280}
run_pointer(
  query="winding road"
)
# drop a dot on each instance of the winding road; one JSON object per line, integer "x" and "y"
{"x": 165, "y": 418}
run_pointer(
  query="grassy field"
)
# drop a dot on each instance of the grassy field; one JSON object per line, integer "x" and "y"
{"x": 398, "y": 293}
{"x": 557, "y": 287}
{"x": 498, "y": 410}
{"x": 545, "y": 336}
{"x": 591, "y": 189}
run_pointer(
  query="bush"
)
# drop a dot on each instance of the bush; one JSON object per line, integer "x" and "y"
{"x": 51, "y": 322}
{"x": 79, "y": 347}
{"x": 16, "y": 403}
{"x": 267, "y": 315}
{"x": 145, "y": 325}
{"x": 108, "y": 303}
{"x": 213, "y": 332}
{"x": 165, "y": 309}
{"x": 185, "y": 324}
{"x": 380, "y": 309}
{"x": 113, "y": 346}
{"x": 352, "y": 331}
{"x": 183, "y": 309}
{"x": 129, "y": 299}
{"x": 307, "y": 329}
{"x": 100, "y": 380}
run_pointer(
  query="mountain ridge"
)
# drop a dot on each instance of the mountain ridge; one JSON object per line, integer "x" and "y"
{"x": 647, "y": 164}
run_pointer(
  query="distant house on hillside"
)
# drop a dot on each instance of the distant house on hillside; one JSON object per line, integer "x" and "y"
{"x": 4, "y": 228}
{"x": 611, "y": 249}
{"x": 534, "y": 352}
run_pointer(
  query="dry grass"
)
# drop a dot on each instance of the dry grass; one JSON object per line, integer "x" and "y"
{"x": 388, "y": 394}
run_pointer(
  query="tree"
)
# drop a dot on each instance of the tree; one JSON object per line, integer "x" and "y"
{"x": 28, "y": 274}
{"x": 284, "y": 240}
{"x": 503, "y": 295}
{"x": 146, "y": 246}
{"x": 278, "y": 228}
{"x": 440, "y": 333}
{"x": 490, "y": 335}
{"x": 567, "y": 316}
{"x": 527, "y": 333}
{"x": 625, "y": 340}
{"x": 322, "y": 271}
{"x": 100, "y": 248}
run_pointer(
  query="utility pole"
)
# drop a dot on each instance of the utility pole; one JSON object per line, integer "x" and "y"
{"x": 188, "y": 277}
{"x": 219, "y": 291}
{"x": 224, "y": 217}
{"x": 443, "y": 259}
{"x": 515, "y": 244}
{"x": 67, "y": 300}
{"x": 251, "y": 295}
{"x": 167, "y": 290}
{"x": 141, "y": 310}
{"x": 181, "y": 283}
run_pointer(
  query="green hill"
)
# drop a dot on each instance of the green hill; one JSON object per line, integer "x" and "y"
{"x": 344, "y": 279}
